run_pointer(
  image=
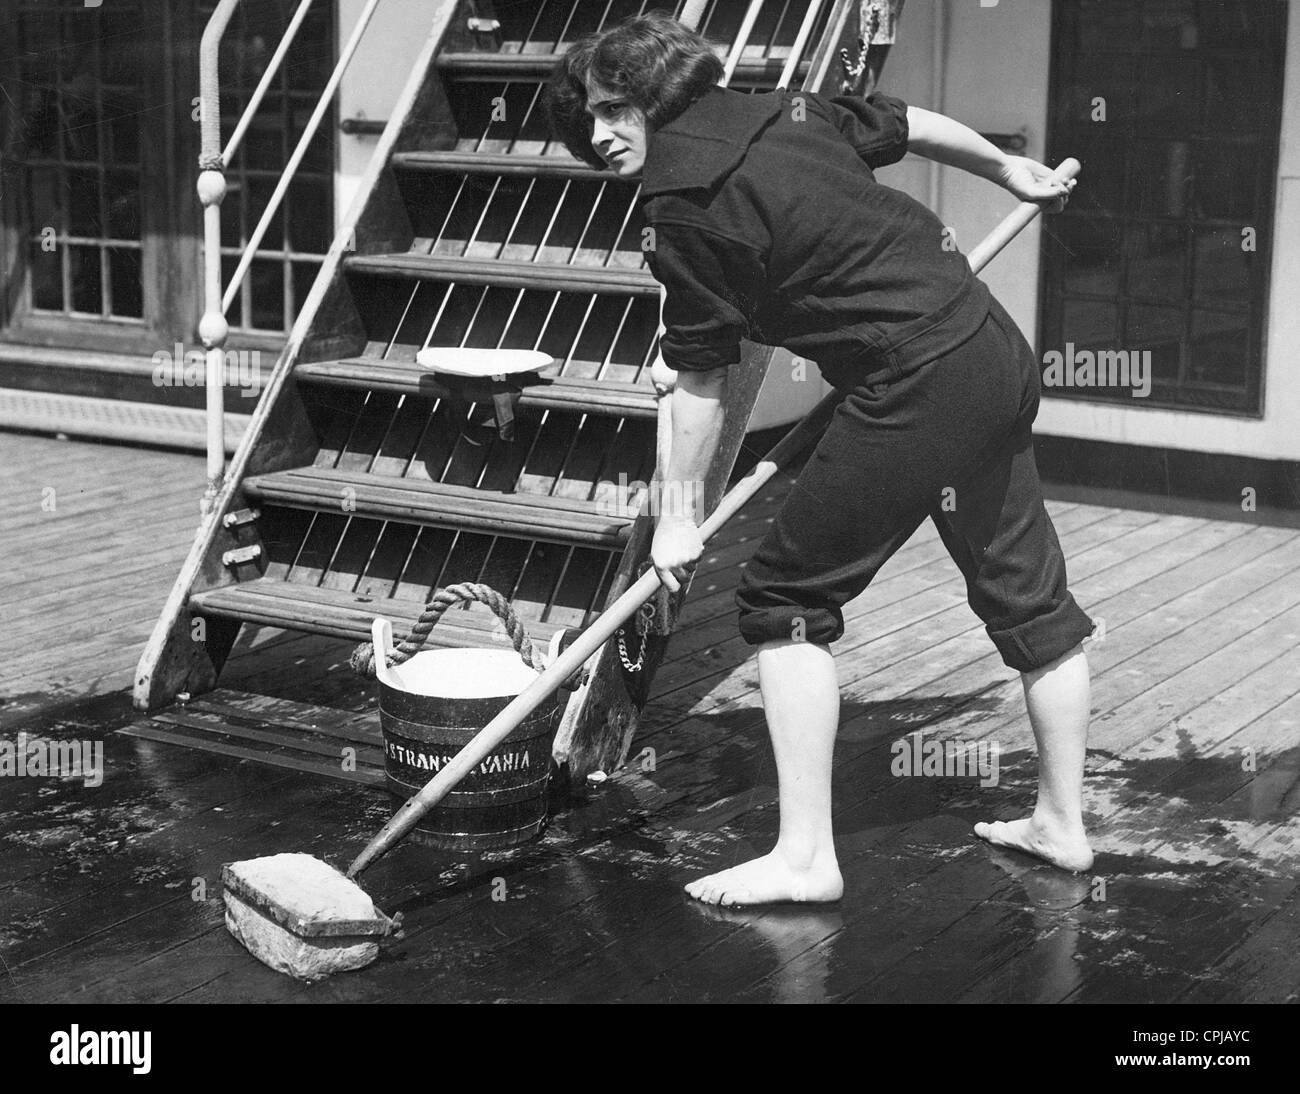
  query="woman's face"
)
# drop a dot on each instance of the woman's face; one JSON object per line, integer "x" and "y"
{"x": 618, "y": 131}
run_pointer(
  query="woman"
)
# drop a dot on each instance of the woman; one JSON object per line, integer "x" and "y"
{"x": 769, "y": 225}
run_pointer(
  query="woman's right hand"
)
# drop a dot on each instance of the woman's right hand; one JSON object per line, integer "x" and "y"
{"x": 1030, "y": 180}
{"x": 676, "y": 549}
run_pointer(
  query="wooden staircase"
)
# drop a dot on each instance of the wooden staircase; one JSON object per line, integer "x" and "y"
{"x": 364, "y": 483}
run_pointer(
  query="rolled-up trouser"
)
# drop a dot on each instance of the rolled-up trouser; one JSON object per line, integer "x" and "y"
{"x": 950, "y": 440}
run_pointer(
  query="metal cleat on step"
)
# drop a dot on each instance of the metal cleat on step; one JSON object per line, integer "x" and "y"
{"x": 486, "y": 26}
{"x": 242, "y": 555}
{"x": 240, "y": 517}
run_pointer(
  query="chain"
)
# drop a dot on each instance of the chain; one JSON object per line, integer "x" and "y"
{"x": 647, "y": 611}
{"x": 622, "y": 652}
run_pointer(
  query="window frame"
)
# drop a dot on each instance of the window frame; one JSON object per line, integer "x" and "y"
{"x": 1247, "y": 400}
{"x": 171, "y": 217}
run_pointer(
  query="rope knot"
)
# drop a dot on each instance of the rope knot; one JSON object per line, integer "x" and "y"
{"x": 362, "y": 660}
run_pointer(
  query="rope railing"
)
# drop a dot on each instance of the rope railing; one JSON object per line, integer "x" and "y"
{"x": 214, "y": 329}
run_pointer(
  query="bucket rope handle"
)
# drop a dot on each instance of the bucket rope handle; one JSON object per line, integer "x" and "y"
{"x": 363, "y": 657}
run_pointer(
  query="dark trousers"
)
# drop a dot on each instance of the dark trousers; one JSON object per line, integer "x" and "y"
{"x": 951, "y": 441}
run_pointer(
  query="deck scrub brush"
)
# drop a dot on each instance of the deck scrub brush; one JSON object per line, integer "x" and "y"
{"x": 301, "y": 916}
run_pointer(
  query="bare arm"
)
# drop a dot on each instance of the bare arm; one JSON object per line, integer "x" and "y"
{"x": 946, "y": 140}
{"x": 699, "y": 402}
{"x": 712, "y": 283}
{"x": 938, "y": 137}
{"x": 698, "y": 409}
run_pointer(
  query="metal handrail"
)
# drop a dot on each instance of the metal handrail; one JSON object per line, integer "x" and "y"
{"x": 290, "y": 33}
{"x": 211, "y": 187}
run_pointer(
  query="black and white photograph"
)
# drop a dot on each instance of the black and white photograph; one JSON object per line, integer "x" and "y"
{"x": 684, "y": 502}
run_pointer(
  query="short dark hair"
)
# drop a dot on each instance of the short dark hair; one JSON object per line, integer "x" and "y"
{"x": 655, "y": 62}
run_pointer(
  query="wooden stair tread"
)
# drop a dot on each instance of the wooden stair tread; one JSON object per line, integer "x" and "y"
{"x": 616, "y": 398}
{"x": 510, "y": 274}
{"x": 274, "y": 603}
{"x": 557, "y": 519}
{"x": 459, "y": 161}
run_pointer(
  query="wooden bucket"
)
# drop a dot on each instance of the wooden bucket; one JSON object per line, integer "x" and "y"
{"x": 443, "y": 698}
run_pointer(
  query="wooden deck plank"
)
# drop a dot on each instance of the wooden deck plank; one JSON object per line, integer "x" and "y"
{"x": 74, "y": 628}
{"x": 1128, "y": 664}
{"x": 80, "y": 489}
{"x": 170, "y": 800}
{"x": 1136, "y": 622}
{"x": 124, "y": 585}
{"x": 1202, "y": 682}
{"x": 439, "y": 919}
{"x": 880, "y": 860}
{"x": 710, "y": 616}
{"x": 34, "y": 524}
{"x": 1219, "y": 816}
{"x": 1135, "y": 798}
{"x": 904, "y": 687}
{"x": 27, "y": 457}
{"x": 837, "y": 820}
{"x": 712, "y": 593}
{"x": 1261, "y": 969}
{"x": 853, "y": 770}
{"x": 894, "y": 631}
{"x": 73, "y": 656}
{"x": 157, "y": 918}
{"x": 211, "y": 953}
{"x": 886, "y": 608}
{"x": 99, "y": 612}
{"x": 56, "y": 545}
{"x": 1199, "y": 663}
{"x": 1079, "y": 925}
{"x": 49, "y": 839}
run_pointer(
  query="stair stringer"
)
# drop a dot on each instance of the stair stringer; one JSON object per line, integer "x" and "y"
{"x": 179, "y": 657}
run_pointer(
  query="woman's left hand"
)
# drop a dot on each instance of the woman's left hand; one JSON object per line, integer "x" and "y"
{"x": 1030, "y": 180}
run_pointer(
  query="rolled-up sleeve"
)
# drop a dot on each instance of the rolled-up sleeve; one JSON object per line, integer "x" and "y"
{"x": 713, "y": 287}
{"x": 876, "y": 126}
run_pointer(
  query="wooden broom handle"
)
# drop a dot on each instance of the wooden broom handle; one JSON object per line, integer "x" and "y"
{"x": 587, "y": 643}
{"x": 1011, "y": 226}
{"x": 618, "y": 613}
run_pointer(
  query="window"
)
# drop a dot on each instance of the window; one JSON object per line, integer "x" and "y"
{"x": 100, "y": 228}
{"x": 80, "y": 74}
{"x": 1174, "y": 108}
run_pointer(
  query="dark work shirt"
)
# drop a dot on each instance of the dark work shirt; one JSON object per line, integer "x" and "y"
{"x": 769, "y": 224}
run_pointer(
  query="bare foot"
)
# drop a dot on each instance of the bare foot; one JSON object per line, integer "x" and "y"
{"x": 1067, "y": 848}
{"x": 771, "y": 879}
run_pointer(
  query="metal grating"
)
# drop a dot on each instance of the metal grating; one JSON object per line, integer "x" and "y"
{"x": 115, "y": 419}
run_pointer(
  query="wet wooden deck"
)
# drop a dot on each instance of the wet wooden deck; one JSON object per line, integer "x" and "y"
{"x": 111, "y": 893}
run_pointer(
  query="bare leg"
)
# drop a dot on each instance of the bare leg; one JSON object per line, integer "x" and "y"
{"x": 1057, "y": 696}
{"x": 801, "y": 698}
